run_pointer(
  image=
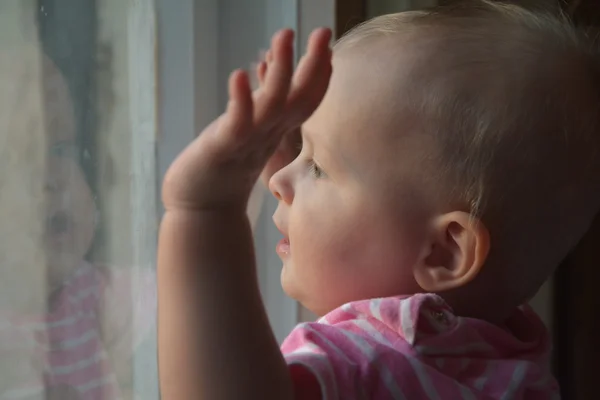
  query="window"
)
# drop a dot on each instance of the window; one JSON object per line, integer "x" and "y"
{"x": 79, "y": 196}
{"x": 95, "y": 103}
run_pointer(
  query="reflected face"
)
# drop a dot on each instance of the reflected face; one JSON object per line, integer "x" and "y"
{"x": 70, "y": 209}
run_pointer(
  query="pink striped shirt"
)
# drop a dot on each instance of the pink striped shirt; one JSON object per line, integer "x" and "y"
{"x": 416, "y": 348}
{"x": 95, "y": 313}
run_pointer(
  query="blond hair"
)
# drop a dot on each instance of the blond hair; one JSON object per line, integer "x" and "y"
{"x": 511, "y": 96}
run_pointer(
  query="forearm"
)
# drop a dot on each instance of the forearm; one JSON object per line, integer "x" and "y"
{"x": 214, "y": 339}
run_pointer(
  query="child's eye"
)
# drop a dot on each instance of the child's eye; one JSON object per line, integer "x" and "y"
{"x": 315, "y": 170}
{"x": 65, "y": 150}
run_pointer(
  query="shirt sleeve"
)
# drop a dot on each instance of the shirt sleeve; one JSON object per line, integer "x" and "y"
{"x": 323, "y": 351}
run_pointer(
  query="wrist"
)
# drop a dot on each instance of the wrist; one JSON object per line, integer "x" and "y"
{"x": 213, "y": 245}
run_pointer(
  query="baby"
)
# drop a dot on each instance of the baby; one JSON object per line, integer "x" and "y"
{"x": 78, "y": 343}
{"x": 448, "y": 166}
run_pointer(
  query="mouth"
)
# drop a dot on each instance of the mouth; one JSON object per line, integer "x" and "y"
{"x": 58, "y": 225}
{"x": 283, "y": 247}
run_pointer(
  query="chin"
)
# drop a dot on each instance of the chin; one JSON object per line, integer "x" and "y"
{"x": 287, "y": 287}
{"x": 308, "y": 313}
{"x": 289, "y": 284}
{"x": 60, "y": 266}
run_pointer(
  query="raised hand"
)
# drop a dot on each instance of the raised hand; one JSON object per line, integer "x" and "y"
{"x": 219, "y": 169}
{"x": 290, "y": 144}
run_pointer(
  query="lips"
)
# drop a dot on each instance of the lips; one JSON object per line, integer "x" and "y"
{"x": 58, "y": 224}
{"x": 283, "y": 247}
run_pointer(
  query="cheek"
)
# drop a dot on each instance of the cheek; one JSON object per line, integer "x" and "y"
{"x": 323, "y": 265}
{"x": 321, "y": 234}
{"x": 351, "y": 229}
{"x": 321, "y": 227}
{"x": 82, "y": 201}
{"x": 344, "y": 250}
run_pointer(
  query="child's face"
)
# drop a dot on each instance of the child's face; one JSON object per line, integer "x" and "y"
{"x": 70, "y": 212}
{"x": 352, "y": 204}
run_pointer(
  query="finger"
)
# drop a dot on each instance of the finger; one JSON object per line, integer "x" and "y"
{"x": 317, "y": 57}
{"x": 278, "y": 78}
{"x": 288, "y": 150}
{"x": 238, "y": 117}
{"x": 263, "y": 67}
{"x": 262, "y": 54}
{"x": 311, "y": 79}
{"x": 261, "y": 72}
{"x": 253, "y": 76}
{"x": 260, "y": 69}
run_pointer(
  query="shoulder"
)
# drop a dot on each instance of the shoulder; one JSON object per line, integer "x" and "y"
{"x": 125, "y": 285}
{"x": 356, "y": 350}
{"x": 384, "y": 321}
{"x": 366, "y": 347}
{"x": 126, "y": 300}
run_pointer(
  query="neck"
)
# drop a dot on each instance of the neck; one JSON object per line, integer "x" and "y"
{"x": 480, "y": 304}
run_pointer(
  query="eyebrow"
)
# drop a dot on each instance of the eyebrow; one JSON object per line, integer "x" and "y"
{"x": 306, "y": 139}
{"x": 338, "y": 163}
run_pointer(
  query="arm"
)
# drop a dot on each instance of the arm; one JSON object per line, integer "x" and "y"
{"x": 214, "y": 336}
{"x": 215, "y": 341}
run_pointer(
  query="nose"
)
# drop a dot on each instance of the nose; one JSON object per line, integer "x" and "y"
{"x": 281, "y": 186}
{"x": 60, "y": 173}
{"x": 52, "y": 183}
{"x": 51, "y": 187}
{"x": 55, "y": 176}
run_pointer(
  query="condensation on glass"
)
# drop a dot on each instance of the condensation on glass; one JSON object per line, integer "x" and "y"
{"x": 78, "y": 200}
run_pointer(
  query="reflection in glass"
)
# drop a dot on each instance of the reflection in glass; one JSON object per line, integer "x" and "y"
{"x": 74, "y": 309}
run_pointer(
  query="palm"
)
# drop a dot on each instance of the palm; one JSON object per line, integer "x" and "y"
{"x": 286, "y": 152}
{"x": 219, "y": 169}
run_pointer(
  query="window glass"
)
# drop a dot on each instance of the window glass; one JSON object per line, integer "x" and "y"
{"x": 77, "y": 299}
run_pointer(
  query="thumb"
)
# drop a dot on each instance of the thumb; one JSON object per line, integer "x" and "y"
{"x": 287, "y": 151}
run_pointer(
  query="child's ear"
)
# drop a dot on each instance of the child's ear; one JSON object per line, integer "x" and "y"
{"x": 459, "y": 248}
